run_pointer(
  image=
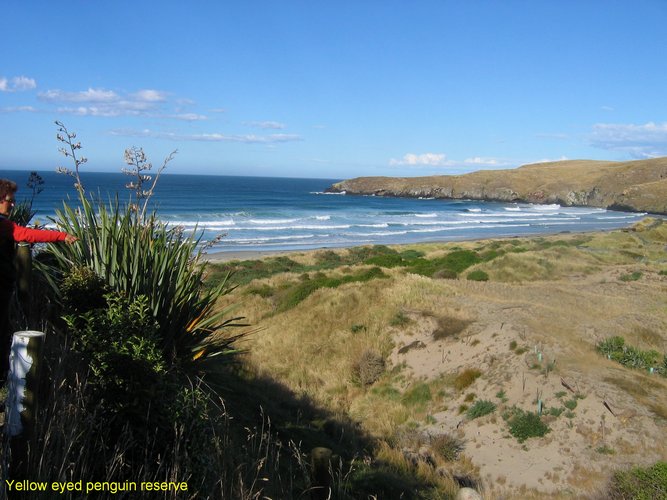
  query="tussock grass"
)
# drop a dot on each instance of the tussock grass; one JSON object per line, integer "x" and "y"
{"x": 449, "y": 326}
{"x": 466, "y": 378}
{"x": 447, "y": 446}
{"x": 368, "y": 368}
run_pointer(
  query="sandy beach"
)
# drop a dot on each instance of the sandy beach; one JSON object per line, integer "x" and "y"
{"x": 219, "y": 257}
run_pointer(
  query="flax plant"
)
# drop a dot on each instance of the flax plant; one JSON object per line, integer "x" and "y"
{"x": 137, "y": 254}
{"x": 149, "y": 258}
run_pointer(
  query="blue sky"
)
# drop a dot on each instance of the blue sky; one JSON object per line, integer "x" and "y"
{"x": 333, "y": 89}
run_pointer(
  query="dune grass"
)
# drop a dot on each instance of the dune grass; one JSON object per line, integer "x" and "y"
{"x": 316, "y": 346}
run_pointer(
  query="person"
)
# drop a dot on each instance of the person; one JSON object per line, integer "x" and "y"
{"x": 10, "y": 234}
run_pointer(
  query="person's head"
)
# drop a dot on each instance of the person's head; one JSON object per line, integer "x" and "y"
{"x": 7, "y": 199}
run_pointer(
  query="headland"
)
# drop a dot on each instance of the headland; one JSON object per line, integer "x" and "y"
{"x": 635, "y": 186}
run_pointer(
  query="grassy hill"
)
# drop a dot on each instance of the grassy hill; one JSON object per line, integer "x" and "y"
{"x": 635, "y": 185}
{"x": 529, "y": 367}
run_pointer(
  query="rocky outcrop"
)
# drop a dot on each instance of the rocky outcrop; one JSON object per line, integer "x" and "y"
{"x": 639, "y": 186}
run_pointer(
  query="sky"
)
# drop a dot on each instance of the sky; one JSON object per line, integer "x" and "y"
{"x": 334, "y": 89}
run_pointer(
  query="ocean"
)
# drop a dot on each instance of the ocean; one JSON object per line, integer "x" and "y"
{"x": 264, "y": 214}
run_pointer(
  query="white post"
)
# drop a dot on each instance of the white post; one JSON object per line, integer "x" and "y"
{"x": 23, "y": 381}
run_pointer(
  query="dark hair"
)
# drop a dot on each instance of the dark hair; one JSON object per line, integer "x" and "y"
{"x": 7, "y": 187}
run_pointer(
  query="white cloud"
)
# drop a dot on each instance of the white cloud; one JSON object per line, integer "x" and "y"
{"x": 17, "y": 84}
{"x": 150, "y": 95}
{"x": 640, "y": 141}
{"x": 18, "y": 109}
{"x": 190, "y": 117}
{"x": 266, "y": 125}
{"x": 210, "y": 137}
{"x": 87, "y": 96}
{"x": 478, "y": 160}
{"x": 428, "y": 159}
{"x": 548, "y": 160}
{"x": 23, "y": 83}
{"x": 103, "y": 111}
{"x": 102, "y": 102}
{"x": 552, "y": 135}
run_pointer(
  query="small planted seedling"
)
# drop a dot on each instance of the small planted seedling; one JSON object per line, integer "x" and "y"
{"x": 525, "y": 424}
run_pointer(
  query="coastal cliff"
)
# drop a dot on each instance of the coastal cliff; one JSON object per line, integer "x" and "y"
{"x": 638, "y": 186}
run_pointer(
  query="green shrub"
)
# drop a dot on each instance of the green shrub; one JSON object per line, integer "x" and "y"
{"x": 640, "y": 483}
{"x": 120, "y": 345}
{"x": 82, "y": 290}
{"x": 478, "y": 275}
{"x": 525, "y": 424}
{"x": 386, "y": 257}
{"x": 480, "y": 408}
{"x": 249, "y": 270}
{"x": 460, "y": 260}
{"x": 302, "y": 290}
{"x": 357, "y": 255}
{"x": 489, "y": 255}
{"x": 385, "y": 260}
{"x": 411, "y": 255}
{"x": 605, "y": 450}
{"x": 617, "y": 350}
{"x": 454, "y": 262}
{"x": 328, "y": 259}
{"x": 631, "y": 277}
{"x": 264, "y": 291}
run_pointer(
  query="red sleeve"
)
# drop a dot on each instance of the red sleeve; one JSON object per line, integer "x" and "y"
{"x": 30, "y": 235}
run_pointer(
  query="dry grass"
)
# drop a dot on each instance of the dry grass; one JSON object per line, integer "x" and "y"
{"x": 560, "y": 293}
{"x": 466, "y": 378}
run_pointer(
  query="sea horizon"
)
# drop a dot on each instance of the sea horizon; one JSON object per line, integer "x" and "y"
{"x": 277, "y": 214}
